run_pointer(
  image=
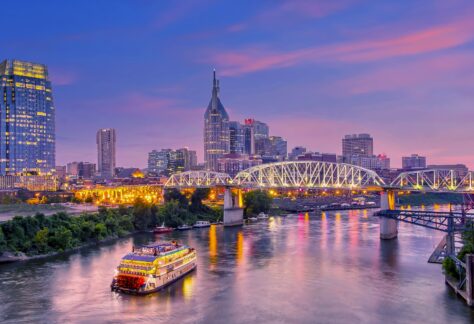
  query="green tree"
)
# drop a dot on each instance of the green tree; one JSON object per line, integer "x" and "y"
{"x": 14, "y": 234}
{"x": 257, "y": 201}
{"x": 141, "y": 215}
{"x": 175, "y": 194}
{"x": 100, "y": 231}
{"x": 61, "y": 239}
{"x": 173, "y": 215}
{"x": 87, "y": 230}
{"x": 41, "y": 240}
{"x": 3, "y": 243}
{"x": 197, "y": 197}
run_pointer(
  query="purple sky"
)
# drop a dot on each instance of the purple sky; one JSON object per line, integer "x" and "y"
{"x": 402, "y": 71}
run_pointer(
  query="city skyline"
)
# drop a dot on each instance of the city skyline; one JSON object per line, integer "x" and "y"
{"x": 367, "y": 77}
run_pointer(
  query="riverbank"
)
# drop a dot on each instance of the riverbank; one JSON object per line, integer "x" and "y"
{"x": 24, "y": 238}
{"x": 11, "y": 257}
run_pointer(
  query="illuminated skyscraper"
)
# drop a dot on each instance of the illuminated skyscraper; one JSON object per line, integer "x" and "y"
{"x": 106, "y": 140}
{"x": 236, "y": 137}
{"x": 27, "y": 119}
{"x": 216, "y": 129}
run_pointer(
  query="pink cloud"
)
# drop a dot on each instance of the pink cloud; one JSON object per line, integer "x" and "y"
{"x": 324, "y": 135}
{"x": 428, "y": 40}
{"x": 310, "y": 8}
{"x": 446, "y": 70}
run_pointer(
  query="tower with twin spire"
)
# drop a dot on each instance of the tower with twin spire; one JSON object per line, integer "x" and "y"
{"x": 216, "y": 129}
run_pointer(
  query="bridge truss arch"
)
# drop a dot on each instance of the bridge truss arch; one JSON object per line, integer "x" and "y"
{"x": 436, "y": 180}
{"x": 308, "y": 174}
{"x": 198, "y": 179}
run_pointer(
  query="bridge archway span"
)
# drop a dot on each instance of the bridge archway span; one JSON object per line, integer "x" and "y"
{"x": 308, "y": 174}
{"x": 198, "y": 179}
{"x": 436, "y": 180}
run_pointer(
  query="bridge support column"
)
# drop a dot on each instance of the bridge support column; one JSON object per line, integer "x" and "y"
{"x": 450, "y": 247}
{"x": 388, "y": 226}
{"x": 233, "y": 211}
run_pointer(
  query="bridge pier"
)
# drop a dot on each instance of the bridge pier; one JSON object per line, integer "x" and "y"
{"x": 450, "y": 246}
{"x": 388, "y": 226}
{"x": 233, "y": 211}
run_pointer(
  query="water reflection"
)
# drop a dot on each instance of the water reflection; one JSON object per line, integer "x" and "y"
{"x": 188, "y": 286}
{"x": 240, "y": 247}
{"x": 332, "y": 267}
{"x": 213, "y": 246}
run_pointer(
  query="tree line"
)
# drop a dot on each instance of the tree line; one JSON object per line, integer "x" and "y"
{"x": 39, "y": 234}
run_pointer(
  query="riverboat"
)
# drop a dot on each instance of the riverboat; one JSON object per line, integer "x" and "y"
{"x": 150, "y": 268}
{"x": 162, "y": 229}
{"x": 262, "y": 215}
{"x": 200, "y": 224}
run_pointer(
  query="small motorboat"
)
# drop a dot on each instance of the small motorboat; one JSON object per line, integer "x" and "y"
{"x": 262, "y": 215}
{"x": 162, "y": 229}
{"x": 184, "y": 227}
{"x": 200, "y": 224}
{"x": 252, "y": 219}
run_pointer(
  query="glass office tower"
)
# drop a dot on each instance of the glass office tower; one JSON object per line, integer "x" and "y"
{"x": 27, "y": 119}
{"x": 216, "y": 129}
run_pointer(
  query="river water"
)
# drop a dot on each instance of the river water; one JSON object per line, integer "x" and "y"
{"x": 299, "y": 269}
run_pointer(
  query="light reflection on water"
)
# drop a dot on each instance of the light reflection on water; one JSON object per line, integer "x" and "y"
{"x": 301, "y": 268}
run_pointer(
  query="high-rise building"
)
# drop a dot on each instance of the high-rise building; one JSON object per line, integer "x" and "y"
{"x": 248, "y": 138}
{"x": 236, "y": 137}
{"x": 413, "y": 161}
{"x": 193, "y": 160}
{"x": 158, "y": 161}
{"x": 87, "y": 170}
{"x": 168, "y": 161}
{"x": 295, "y": 152}
{"x": 316, "y": 156}
{"x": 373, "y": 162}
{"x": 216, "y": 129}
{"x": 278, "y": 148}
{"x": 357, "y": 144}
{"x": 27, "y": 119}
{"x": 233, "y": 163}
{"x": 83, "y": 170}
{"x": 106, "y": 140}
{"x": 61, "y": 172}
{"x": 186, "y": 159}
{"x": 256, "y": 137}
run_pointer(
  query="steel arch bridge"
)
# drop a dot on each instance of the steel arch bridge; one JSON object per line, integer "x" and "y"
{"x": 198, "y": 179}
{"x": 308, "y": 174}
{"x": 435, "y": 180}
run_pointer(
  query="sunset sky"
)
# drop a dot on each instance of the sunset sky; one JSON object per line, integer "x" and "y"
{"x": 402, "y": 71}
